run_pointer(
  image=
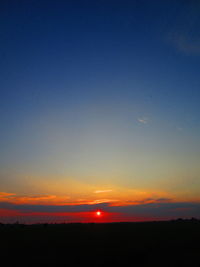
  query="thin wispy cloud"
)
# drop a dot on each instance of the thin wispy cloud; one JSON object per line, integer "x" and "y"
{"x": 103, "y": 191}
{"x": 99, "y": 201}
{"x": 143, "y": 120}
{"x": 32, "y": 199}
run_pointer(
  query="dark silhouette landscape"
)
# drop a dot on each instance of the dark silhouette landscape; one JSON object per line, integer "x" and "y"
{"x": 164, "y": 243}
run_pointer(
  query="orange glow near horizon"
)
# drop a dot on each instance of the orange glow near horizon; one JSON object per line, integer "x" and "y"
{"x": 98, "y": 216}
{"x": 10, "y": 216}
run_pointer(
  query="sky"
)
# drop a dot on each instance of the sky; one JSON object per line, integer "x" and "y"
{"x": 99, "y": 110}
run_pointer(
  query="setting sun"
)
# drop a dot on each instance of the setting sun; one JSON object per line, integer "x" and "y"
{"x": 98, "y": 213}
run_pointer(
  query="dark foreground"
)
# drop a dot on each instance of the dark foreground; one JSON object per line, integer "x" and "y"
{"x": 174, "y": 243}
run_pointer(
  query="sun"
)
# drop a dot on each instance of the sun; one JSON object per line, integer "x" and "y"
{"x": 98, "y": 213}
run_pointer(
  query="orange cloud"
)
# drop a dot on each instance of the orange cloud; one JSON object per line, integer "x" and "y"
{"x": 5, "y": 197}
{"x": 33, "y": 199}
{"x": 5, "y": 194}
{"x": 103, "y": 191}
{"x": 117, "y": 197}
{"x": 99, "y": 201}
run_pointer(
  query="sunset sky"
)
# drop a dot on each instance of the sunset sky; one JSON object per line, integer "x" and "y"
{"x": 99, "y": 110}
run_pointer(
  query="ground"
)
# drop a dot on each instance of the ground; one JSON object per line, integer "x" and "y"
{"x": 171, "y": 243}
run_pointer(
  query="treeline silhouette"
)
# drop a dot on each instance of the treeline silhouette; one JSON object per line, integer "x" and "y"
{"x": 164, "y": 243}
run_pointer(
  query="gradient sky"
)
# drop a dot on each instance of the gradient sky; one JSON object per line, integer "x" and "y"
{"x": 99, "y": 109}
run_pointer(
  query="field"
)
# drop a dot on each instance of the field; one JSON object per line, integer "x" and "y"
{"x": 170, "y": 243}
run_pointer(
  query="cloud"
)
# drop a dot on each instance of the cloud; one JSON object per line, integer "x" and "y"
{"x": 162, "y": 210}
{"x": 33, "y": 199}
{"x": 137, "y": 205}
{"x": 142, "y": 201}
{"x": 121, "y": 197}
{"x": 53, "y": 208}
{"x": 103, "y": 191}
{"x": 106, "y": 200}
{"x": 151, "y": 211}
{"x": 143, "y": 120}
{"x": 4, "y": 196}
{"x": 164, "y": 199}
